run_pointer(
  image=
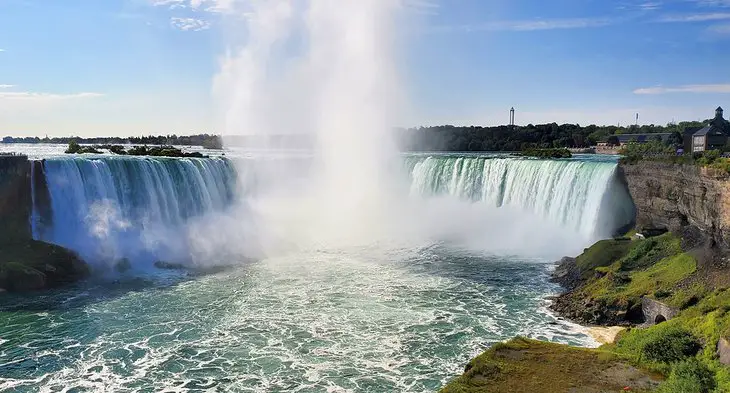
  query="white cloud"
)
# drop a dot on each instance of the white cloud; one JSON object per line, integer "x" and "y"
{"x": 695, "y": 17}
{"x": 716, "y": 89}
{"x": 650, "y": 6}
{"x": 721, "y": 29}
{"x": 216, "y": 6}
{"x": 713, "y": 3}
{"x": 6, "y": 86}
{"x": 2, "y": 50}
{"x": 43, "y": 97}
{"x": 189, "y": 24}
{"x": 533, "y": 25}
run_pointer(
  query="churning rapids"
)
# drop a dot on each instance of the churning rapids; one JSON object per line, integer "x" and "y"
{"x": 379, "y": 317}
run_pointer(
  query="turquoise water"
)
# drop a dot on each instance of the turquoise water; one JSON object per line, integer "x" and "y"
{"x": 336, "y": 321}
{"x": 389, "y": 314}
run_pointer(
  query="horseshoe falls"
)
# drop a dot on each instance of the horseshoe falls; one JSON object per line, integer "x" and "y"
{"x": 112, "y": 208}
{"x": 385, "y": 316}
{"x": 582, "y": 195}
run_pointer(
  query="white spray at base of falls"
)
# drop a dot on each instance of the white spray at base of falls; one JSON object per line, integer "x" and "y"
{"x": 328, "y": 69}
{"x": 325, "y": 68}
{"x": 140, "y": 208}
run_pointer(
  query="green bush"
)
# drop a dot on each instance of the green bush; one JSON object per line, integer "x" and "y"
{"x": 708, "y": 157}
{"x": 689, "y": 376}
{"x": 670, "y": 345}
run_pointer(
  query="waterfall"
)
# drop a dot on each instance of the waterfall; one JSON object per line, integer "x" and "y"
{"x": 581, "y": 195}
{"x": 108, "y": 208}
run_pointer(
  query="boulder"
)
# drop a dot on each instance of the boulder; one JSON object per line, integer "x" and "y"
{"x": 723, "y": 351}
{"x": 16, "y": 277}
{"x": 567, "y": 273}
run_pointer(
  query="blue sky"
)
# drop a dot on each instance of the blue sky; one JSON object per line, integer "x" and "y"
{"x": 131, "y": 67}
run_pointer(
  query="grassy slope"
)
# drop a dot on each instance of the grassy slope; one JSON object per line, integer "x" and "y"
{"x": 620, "y": 272}
{"x": 524, "y": 365}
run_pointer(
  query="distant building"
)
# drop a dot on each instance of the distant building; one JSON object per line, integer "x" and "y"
{"x": 713, "y": 136}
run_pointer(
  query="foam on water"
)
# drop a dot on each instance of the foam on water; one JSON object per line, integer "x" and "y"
{"x": 323, "y": 321}
{"x": 107, "y": 208}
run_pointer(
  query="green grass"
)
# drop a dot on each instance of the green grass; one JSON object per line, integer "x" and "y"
{"x": 524, "y": 365}
{"x": 619, "y": 273}
{"x": 603, "y": 253}
{"x": 639, "y": 268}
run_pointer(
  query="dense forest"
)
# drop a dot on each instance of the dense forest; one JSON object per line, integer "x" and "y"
{"x": 437, "y": 138}
{"x": 205, "y": 140}
{"x": 506, "y": 138}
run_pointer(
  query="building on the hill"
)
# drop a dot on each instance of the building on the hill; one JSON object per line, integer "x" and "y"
{"x": 713, "y": 136}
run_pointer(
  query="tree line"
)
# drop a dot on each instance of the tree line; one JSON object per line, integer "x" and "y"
{"x": 435, "y": 138}
{"x": 205, "y": 140}
{"x": 518, "y": 138}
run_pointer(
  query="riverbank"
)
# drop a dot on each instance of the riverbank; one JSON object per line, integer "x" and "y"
{"x": 673, "y": 325}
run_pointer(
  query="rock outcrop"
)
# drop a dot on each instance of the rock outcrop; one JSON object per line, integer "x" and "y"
{"x": 15, "y": 198}
{"x": 27, "y": 264}
{"x": 684, "y": 199}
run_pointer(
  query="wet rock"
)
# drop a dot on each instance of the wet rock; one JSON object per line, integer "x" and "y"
{"x": 169, "y": 266}
{"x": 567, "y": 273}
{"x": 17, "y": 277}
{"x": 123, "y": 265}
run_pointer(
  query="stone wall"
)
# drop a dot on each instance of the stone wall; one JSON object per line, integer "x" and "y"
{"x": 15, "y": 198}
{"x": 680, "y": 198}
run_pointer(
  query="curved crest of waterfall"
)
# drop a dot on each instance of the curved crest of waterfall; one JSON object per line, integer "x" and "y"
{"x": 107, "y": 208}
{"x": 582, "y": 195}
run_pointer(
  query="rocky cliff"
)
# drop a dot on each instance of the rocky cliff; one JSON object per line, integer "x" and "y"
{"x": 15, "y": 198}
{"x": 684, "y": 199}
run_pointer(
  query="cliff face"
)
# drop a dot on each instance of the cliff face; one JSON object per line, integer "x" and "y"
{"x": 15, "y": 198}
{"x": 680, "y": 198}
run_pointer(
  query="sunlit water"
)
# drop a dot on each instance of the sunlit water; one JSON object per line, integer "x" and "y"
{"x": 364, "y": 319}
{"x": 319, "y": 322}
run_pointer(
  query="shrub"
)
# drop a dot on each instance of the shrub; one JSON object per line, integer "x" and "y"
{"x": 689, "y": 376}
{"x": 670, "y": 345}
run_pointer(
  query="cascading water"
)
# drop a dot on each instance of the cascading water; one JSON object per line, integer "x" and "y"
{"x": 137, "y": 208}
{"x": 580, "y": 195}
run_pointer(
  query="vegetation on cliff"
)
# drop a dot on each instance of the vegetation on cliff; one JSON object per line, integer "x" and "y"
{"x": 155, "y": 151}
{"x": 614, "y": 276}
{"x": 546, "y": 153}
{"x": 657, "y": 151}
{"x": 524, "y": 365}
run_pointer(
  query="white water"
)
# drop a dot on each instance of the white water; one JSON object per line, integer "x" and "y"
{"x": 325, "y": 68}
{"x": 109, "y": 208}
{"x": 578, "y": 195}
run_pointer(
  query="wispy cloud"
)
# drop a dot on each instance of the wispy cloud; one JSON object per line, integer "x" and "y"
{"x": 533, "y": 25}
{"x": 189, "y": 24}
{"x": 6, "y": 86}
{"x": 713, "y": 3}
{"x": 2, "y": 50}
{"x": 650, "y": 6}
{"x": 428, "y": 7}
{"x": 688, "y": 18}
{"x": 33, "y": 96}
{"x": 698, "y": 89}
{"x": 216, "y": 6}
{"x": 720, "y": 30}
